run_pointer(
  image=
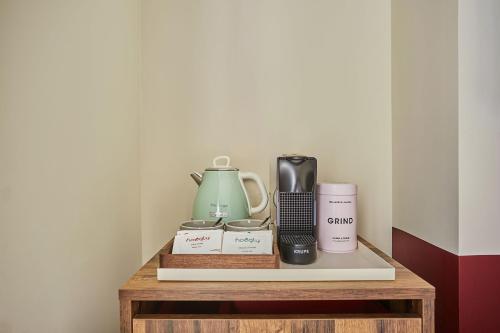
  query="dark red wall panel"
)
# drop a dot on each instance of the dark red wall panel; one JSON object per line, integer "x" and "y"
{"x": 467, "y": 287}
{"x": 436, "y": 266}
{"x": 479, "y": 293}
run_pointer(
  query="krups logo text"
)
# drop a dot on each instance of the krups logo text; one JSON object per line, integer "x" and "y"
{"x": 340, "y": 220}
{"x": 300, "y": 251}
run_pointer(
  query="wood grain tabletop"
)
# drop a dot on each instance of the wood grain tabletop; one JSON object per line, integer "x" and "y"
{"x": 144, "y": 286}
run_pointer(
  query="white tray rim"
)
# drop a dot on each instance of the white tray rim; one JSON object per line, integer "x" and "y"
{"x": 381, "y": 271}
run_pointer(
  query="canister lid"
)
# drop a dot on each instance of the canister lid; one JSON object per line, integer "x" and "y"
{"x": 337, "y": 189}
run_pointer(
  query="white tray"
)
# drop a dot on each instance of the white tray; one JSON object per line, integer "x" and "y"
{"x": 362, "y": 264}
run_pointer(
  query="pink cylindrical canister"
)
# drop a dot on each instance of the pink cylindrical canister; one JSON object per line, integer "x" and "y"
{"x": 337, "y": 217}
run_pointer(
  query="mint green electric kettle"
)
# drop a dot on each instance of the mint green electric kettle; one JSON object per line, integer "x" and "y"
{"x": 222, "y": 193}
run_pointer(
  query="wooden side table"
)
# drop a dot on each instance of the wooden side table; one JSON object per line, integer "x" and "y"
{"x": 152, "y": 306}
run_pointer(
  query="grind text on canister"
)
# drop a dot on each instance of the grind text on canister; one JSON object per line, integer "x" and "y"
{"x": 337, "y": 217}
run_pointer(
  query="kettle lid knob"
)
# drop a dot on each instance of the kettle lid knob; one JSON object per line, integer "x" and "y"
{"x": 221, "y": 157}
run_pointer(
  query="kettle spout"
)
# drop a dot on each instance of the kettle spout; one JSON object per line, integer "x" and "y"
{"x": 196, "y": 177}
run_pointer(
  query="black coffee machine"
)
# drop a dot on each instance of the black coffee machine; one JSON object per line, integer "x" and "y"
{"x": 296, "y": 208}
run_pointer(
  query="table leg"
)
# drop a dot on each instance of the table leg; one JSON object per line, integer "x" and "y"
{"x": 126, "y": 314}
{"x": 426, "y": 310}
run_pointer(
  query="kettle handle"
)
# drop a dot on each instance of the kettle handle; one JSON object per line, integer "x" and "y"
{"x": 262, "y": 189}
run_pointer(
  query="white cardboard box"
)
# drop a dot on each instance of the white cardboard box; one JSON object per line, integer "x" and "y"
{"x": 248, "y": 243}
{"x": 198, "y": 242}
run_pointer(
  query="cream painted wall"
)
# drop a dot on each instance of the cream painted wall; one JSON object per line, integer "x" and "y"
{"x": 69, "y": 178}
{"x": 479, "y": 119}
{"x": 254, "y": 79}
{"x": 425, "y": 120}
